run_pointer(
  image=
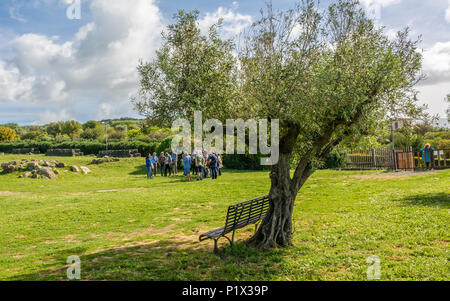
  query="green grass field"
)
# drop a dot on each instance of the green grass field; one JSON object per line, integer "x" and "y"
{"x": 125, "y": 227}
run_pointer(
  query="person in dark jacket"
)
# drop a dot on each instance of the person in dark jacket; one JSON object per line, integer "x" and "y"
{"x": 162, "y": 163}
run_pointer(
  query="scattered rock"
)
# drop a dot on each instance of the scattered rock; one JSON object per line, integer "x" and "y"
{"x": 104, "y": 159}
{"x": 33, "y": 166}
{"x": 75, "y": 168}
{"x": 85, "y": 170}
{"x": 46, "y": 172}
{"x": 61, "y": 165}
{"x": 26, "y": 175}
{"x": 49, "y": 164}
{"x": 56, "y": 171}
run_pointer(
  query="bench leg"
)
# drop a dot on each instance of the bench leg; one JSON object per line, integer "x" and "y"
{"x": 256, "y": 227}
{"x": 216, "y": 250}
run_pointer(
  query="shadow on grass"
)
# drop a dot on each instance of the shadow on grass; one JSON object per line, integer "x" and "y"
{"x": 441, "y": 200}
{"x": 165, "y": 260}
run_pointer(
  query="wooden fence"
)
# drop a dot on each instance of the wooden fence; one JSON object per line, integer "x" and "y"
{"x": 401, "y": 159}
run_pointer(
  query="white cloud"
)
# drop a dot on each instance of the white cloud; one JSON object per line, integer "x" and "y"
{"x": 49, "y": 116}
{"x": 98, "y": 63}
{"x": 436, "y": 63}
{"x": 233, "y": 22}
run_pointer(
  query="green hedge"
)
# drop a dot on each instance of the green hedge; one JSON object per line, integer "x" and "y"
{"x": 87, "y": 147}
{"x": 244, "y": 162}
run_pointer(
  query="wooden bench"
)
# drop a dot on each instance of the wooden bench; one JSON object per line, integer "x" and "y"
{"x": 239, "y": 216}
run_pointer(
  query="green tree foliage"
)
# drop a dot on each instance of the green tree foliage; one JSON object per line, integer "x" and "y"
{"x": 92, "y": 130}
{"x": 134, "y": 133}
{"x": 55, "y": 128}
{"x": 190, "y": 72}
{"x": 8, "y": 134}
{"x": 92, "y": 124}
{"x": 72, "y": 128}
{"x": 324, "y": 74}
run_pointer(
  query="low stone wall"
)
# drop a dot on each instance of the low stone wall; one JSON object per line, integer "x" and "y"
{"x": 122, "y": 153}
{"x": 26, "y": 151}
{"x": 64, "y": 152}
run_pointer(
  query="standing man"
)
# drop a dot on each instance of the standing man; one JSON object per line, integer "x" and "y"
{"x": 219, "y": 165}
{"x": 200, "y": 161}
{"x": 187, "y": 166}
{"x": 174, "y": 163}
{"x": 162, "y": 163}
{"x": 167, "y": 163}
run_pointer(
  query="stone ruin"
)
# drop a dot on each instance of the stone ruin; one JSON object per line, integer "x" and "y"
{"x": 39, "y": 169}
{"x": 104, "y": 160}
{"x": 122, "y": 153}
{"x": 63, "y": 152}
{"x": 26, "y": 151}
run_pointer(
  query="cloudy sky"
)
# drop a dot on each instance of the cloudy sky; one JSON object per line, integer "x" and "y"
{"x": 57, "y": 68}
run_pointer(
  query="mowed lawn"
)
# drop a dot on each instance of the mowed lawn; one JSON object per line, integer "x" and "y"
{"x": 125, "y": 227}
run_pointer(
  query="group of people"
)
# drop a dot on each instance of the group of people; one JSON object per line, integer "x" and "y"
{"x": 200, "y": 163}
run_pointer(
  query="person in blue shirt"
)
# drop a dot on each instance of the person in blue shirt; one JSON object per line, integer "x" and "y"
{"x": 427, "y": 155}
{"x": 174, "y": 163}
{"x": 154, "y": 160}
{"x": 212, "y": 163}
{"x": 148, "y": 164}
{"x": 187, "y": 166}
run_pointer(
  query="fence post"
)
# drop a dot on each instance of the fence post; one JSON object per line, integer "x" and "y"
{"x": 374, "y": 158}
{"x": 394, "y": 160}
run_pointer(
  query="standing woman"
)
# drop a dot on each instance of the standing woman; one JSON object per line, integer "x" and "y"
{"x": 148, "y": 164}
{"x": 154, "y": 159}
{"x": 427, "y": 156}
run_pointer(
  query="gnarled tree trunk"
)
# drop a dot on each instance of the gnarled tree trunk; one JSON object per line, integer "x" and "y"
{"x": 276, "y": 228}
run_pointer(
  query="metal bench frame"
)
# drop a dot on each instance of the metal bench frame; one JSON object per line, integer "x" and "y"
{"x": 239, "y": 216}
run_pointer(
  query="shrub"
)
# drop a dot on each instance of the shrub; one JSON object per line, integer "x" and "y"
{"x": 87, "y": 147}
{"x": 8, "y": 134}
{"x": 244, "y": 162}
{"x": 336, "y": 159}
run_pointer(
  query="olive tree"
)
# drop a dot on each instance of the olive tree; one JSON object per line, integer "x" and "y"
{"x": 324, "y": 74}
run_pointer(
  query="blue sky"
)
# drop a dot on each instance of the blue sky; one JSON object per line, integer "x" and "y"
{"x": 54, "y": 68}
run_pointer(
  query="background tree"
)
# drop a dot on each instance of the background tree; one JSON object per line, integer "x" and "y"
{"x": 92, "y": 130}
{"x": 7, "y": 134}
{"x": 72, "y": 128}
{"x": 55, "y": 128}
{"x": 191, "y": 71}
{"x": 324, "y": 74}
